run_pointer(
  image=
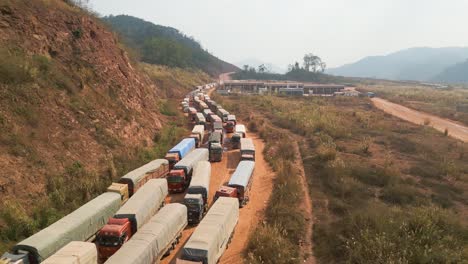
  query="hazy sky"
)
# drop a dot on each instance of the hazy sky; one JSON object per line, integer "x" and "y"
{"x": 280, "y": 31}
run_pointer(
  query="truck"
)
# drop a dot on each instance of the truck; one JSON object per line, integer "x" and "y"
{"x": 207, "y": 114}
{"x": 196, "y": 198}
{"x": 75, "y": 252}
{"x": 135, "y": 179}
{"x": 239, "y": 132}
{"x": 230, "y": 123}
{"x": 198, "y": 133}
{"x": 131, "y": 216}
{"x": 215, "y": 146}
{"x": 192, "y": 114}
{"x": 216, "y": 120}
{"x": 179, "y": 151}
{"x": 212, "y": 236}
{"x": 80, "y": 225}
{"x": 200, "y": 119}
{"x": 223, "y": 114}
{"x": 242, "y": 181}
{"x": 155, "y": 239}
{"x": 247, "y": 149}
{"x": 180, "y": 176}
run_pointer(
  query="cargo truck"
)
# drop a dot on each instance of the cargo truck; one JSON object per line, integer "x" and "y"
{"x": 75, "y": 252}
{"x": 137, "y": 178}
{"x": 134, "y": 214}
{"x": 200, "y": 119}
{"x": 247, "y": 149}
{"x": 180, "y": 176}
{"x": 80, "y": 225}
{"x": 207, "y": 114}
{"x": 223, "y": 114}
{"x": 239, "y": 133}
{"x": 242, "y": 181}
{"x": 155, "y": 239}
{"x": 198, "y": 133}
{"x": 212, "y": 236}
{"x": 215, "y": 146}
{"x": 192, "y": 114}
{"x": 180, "y": 150}
{"x": 196, "y": 199}
{"x": 230, "y": 123}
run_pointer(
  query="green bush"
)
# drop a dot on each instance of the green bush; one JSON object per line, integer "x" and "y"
{"x": 14, "y": 67}
{"x": 401, "y": 195}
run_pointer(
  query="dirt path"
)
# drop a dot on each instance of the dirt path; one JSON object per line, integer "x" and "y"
{"x": 455, "y": 129}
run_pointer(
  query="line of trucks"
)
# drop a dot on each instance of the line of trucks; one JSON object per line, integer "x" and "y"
{"x": 130, "y": 222}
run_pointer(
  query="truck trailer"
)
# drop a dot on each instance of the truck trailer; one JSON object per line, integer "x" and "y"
{"x": 247, "y": 149}
{"x": 210, "y": 239}
{"x": 239, "y": 132}
{"x": 180, "y": 176}
{"x": 196, "y": 199}
{"x": 198, "y": 132}
{"x": 242, "y": 180}
{"x": 230, "y": 123}
{"x": 215, "y": 146}
{"x": 131, "y": 216}
{"x": 180, "y": 150}
{"x": 155, "y": 239}
{"x": 75, "y": 252}
{"x": 153, "y": 170}
{"x": 80, "y": 225}
{"x": 223, "y": 114}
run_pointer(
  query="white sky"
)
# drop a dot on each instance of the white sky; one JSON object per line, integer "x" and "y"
{"x": 282, "y": 31}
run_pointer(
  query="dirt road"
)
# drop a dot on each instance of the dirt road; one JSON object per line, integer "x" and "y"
{"x": 455, "y": 129}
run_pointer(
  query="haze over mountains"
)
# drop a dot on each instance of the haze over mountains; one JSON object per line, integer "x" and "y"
{"x": 447, "y": 64}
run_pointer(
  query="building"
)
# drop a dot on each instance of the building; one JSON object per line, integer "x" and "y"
{"x": 275, "y": 87}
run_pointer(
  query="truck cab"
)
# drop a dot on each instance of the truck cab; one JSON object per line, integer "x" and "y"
{"x": 173, "y": 158}
{"x": 235, "y": 140}
{"x": 226, "y": 191}
{"x": 216, "y": 152}
{"x": 196, "y": 207}
{"x": 112, "y": 236}
{"x": 248, "y": 155}
{"x": 176, "y": 181}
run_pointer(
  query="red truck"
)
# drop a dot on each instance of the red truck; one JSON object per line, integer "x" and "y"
{"x": 179, "y": 177}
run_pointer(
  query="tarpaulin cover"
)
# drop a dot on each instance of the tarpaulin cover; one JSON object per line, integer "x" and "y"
{"x": 243, "y": 174}
{"x": 75, "y": 252}
{"x": 211, "y": 237}
{"x": 198, "y": 129}
{"x": 240, "y": 129}
{"x": 247, "y": 144}
{"x": 154, "y": 238}
{"x": 184, "y": 147}
{"x": 200, "y": 179}
{"x": 79, "y": 225}
{"x": 144, "y": 203}
{"x": 191, "y": 159}
{"x": 135, "y": 175}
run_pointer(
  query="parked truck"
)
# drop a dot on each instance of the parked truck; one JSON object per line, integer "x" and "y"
{"x": 247, "y": 149}
{"x": 198, "y": 133}
{"x": 241, "y": 180}
{"x": 230, "y": 123}
{"x": 180, "y": 176}
{"x": 239, "y": 133}
{"x": 207, "y": 114}
{"x": 134, "y": 214}
{"x": 196, "y": 198}
{"x": 200, "y": 119}
{"x": 75, "y": 252}
{"x": 223, "y": 114}
{"x": 192, "y": 114}
{"x": 179, "y": 151}
{"x": 137, "y": 178}
{"x": 217, "y": 123}
{"x": 155, "y": 239}
{"x": 215, "y": 146}
{"x": 80, "y": 225}
{"x": 212, "y": 236}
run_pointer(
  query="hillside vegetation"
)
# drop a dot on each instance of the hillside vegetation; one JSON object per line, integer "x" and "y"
{"x": 157, "y": 44}
{"x": 75, "y": 112}
{"x": 383, "y": 190}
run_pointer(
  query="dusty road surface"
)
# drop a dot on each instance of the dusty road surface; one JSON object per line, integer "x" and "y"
{"x": 250, "y": 215}
{"x": 455, "y": 129}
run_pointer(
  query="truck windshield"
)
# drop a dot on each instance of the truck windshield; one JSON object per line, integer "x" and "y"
{"x": 108, "y": 241}
{"x": 174, "y": 179}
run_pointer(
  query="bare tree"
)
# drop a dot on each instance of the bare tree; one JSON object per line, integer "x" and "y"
{"x": 262, "y": 68}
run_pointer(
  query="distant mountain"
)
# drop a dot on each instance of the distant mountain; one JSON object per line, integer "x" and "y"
{"x": 420, "y": 64}
{"x": 457, "y": 73}
{"x": 256, "y": 62}
{"x": 165, "y": 45}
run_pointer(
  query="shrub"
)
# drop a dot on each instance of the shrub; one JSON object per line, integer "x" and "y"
{"x": 401, "y": 194}
{"x": 14, "y": 68}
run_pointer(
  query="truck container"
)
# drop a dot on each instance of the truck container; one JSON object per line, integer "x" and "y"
{"x": 180, "y": 176}
{"x": 223, "y": 114}
{"x": 80, "y": 225}
{"x": 75, "y": 252}
{"x": 192, "y": 114}
{"x": 153, "y": 170}
{"x": 230, "y": 123}
{"x": 203, "y": 106}
{"x": 134, "y": 214}
{"x": 214, "y": 106}
{"x": 215, "y": 146}
{"x": 239, "y": 132}
{"x": 200, "y": 119}
{"x": 207, "y": 114}
{"x": 198, "y": 133}
{"x": 179, "y": 151}
{"x": 216, "y": 119}
{"x": 200, "y": 184}
{"x": 242, "y": 180}
{"x": 247, "y": 149}
{"x": 210, "y": 239}
{"x": 155, "y": 239}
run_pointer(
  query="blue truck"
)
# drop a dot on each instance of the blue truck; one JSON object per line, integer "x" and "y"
{"x": 180, "y": 150}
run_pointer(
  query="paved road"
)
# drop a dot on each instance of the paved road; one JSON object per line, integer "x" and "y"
{"x": 455, "y": 129}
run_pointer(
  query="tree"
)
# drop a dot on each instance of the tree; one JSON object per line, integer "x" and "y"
{"x": 262, "y": 68}
{"x": 246, "y": 67}
{"x": 313, "y": 63}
